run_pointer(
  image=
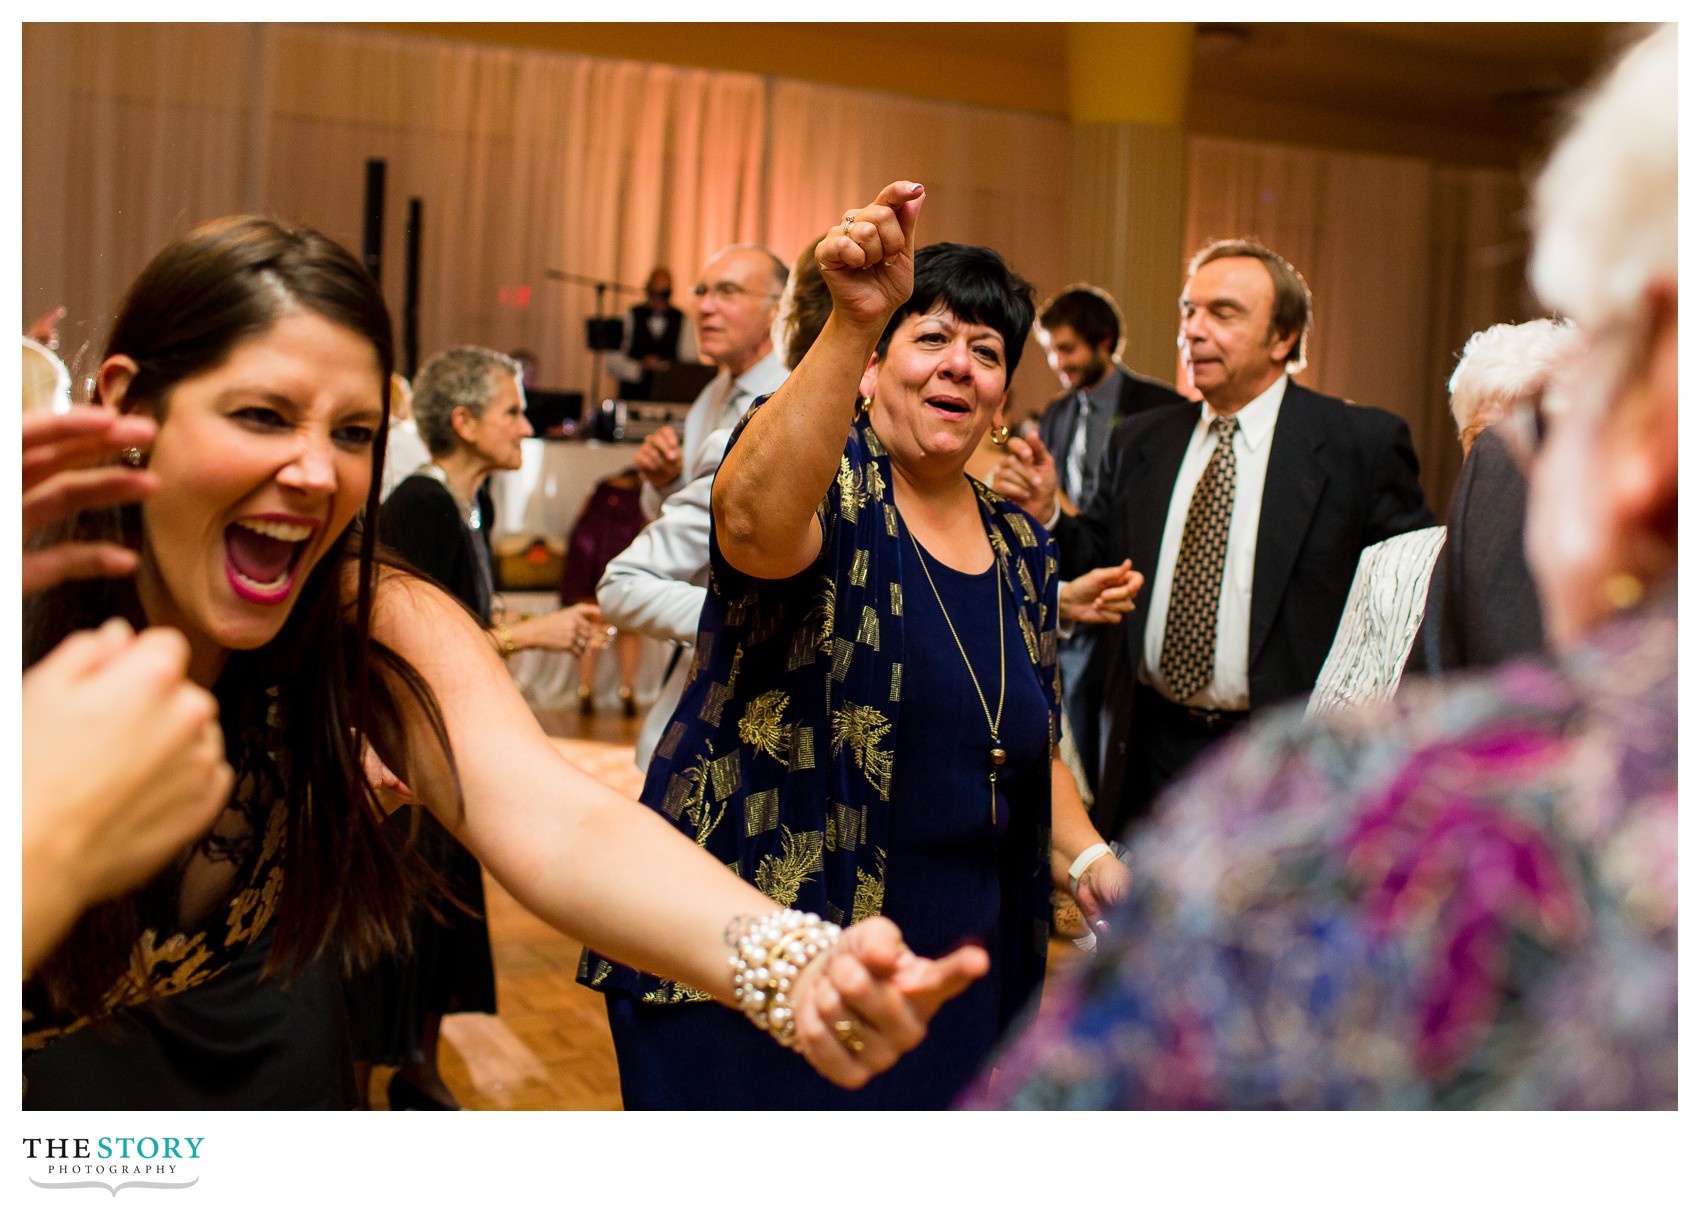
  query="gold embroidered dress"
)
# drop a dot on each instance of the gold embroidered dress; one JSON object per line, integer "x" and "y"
{"x": 779, "y": 758}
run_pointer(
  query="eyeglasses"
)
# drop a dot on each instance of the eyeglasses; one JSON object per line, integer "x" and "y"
{"x": 726, "y": 292}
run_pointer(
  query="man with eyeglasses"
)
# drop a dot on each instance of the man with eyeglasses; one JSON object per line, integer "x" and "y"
{"x": 657, "y": 585}
{"x": 737, "y": 298}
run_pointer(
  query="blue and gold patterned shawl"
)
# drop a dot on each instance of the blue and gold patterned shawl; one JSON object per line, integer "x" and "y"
{"x": 778, "y": 760}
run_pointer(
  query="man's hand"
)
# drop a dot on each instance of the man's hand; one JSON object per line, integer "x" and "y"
{"x": 659, "y": 460}
{"x": 1028, "y": 477}
{"x": 1100, "y": 596}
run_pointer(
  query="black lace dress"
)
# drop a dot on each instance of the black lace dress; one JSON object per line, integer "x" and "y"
{"x": 214, "y": 1034}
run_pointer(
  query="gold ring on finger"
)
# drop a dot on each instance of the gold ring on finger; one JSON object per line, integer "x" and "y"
{"x": 844, "y": 1031}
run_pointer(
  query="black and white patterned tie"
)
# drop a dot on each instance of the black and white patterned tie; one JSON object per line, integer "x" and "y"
{"x": 1189, "y": 630}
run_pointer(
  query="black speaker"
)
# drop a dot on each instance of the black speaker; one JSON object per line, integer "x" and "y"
{"x": 604, "y": 333}
{"x": 372, "y": 245}
{"x": 546, "y": 410}
{"x": 410, "y": 292}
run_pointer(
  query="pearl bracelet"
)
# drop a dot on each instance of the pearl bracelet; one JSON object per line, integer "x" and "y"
{"x": 769, "y": 955}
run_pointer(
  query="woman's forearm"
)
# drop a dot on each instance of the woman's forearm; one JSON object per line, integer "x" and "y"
{"x": 601, "y": 868}
{"x": 774, "y": 478}
{"x": 1072, "y": 830}
{"x": 610, "y": 872}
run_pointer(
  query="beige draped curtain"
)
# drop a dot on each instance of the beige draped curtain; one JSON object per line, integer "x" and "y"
{"x": 532, "y": 160}
{"x": 1405, "y": 259}
{"x": 525, "y": 161}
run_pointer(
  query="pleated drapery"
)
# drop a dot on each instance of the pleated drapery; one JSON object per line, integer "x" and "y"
{"x": 535, "y": 160}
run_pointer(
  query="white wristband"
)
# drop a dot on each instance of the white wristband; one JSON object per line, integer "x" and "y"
{"x": 1084, "y": 860}
{"x": 1056, "y": 513}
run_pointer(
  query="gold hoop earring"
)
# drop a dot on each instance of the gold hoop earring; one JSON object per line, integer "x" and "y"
{"x": 1623, "y": 590}
{"x": 1000, "y": 435}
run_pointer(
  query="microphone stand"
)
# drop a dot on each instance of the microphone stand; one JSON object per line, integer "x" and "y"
{"x": 602, "y": 287}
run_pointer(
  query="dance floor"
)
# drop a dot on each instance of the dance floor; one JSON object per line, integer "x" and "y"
{"x": 548, "y": 1045}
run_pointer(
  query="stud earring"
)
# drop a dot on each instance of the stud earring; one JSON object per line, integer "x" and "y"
{"x": 1000, "y": 435}
{"x": 863, "y": 405}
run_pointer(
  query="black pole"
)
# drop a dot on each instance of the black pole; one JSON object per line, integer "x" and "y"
{"x": 372, "y": 248}
{"x": 410, "y": 293}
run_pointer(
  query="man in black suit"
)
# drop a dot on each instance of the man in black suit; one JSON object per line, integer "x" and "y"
{"x": 1081, "y": 330}
{"x": 1246, "y": 514}
{"x": 657, "y": 337}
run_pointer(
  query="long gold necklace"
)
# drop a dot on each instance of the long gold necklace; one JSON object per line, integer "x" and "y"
{"x": 997, "y": 755}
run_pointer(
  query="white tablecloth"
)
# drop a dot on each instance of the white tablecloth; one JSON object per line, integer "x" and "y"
{"x": 554, "y": 479}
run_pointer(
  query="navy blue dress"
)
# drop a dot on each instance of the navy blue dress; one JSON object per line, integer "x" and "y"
{"x": 942, "y": 883}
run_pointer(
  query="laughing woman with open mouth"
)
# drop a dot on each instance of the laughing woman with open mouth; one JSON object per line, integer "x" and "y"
{"x": 264, "y": 354}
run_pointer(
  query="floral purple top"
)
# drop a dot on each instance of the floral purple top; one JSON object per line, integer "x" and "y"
{"x": 1462, "y": 898}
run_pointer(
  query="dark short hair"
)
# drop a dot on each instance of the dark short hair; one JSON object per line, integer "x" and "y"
{"x": 973, "y": 284}
{"x": 1292, "y": 295}
{"x": 1089, "y": 312}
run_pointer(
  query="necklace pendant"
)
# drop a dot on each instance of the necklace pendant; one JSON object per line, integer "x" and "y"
{"x": 992, "y": 779}
{"x": 999, "y": 756}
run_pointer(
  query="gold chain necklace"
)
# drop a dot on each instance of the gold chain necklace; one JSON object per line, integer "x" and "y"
{"x": 997, "y": 755}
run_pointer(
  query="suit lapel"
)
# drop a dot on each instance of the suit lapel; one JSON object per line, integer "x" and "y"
{"x": 1291, "y": 488}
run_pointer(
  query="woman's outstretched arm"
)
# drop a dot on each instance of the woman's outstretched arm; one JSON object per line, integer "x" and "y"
{"x": 609, "y": 871}
{"x": 771, "y": 482}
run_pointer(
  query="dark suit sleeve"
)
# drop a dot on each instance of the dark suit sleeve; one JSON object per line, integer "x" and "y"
{"x": 1083, "y": 539}
{"x": 1049, "y": 423}
{"x": 1397, "y": 504}
{"x": 1482, "y": 605}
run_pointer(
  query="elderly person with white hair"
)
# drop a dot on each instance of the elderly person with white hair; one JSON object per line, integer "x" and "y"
{"x": 1501, "y": 367}
{"x": 1465, "y": 897}
{"x": 1482, "y": 607}
{"x": 1448, "y": 597}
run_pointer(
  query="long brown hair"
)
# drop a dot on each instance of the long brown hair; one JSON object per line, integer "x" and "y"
{"x": 347, "y": 885}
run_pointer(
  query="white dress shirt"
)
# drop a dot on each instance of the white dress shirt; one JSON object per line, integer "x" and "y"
{"x": 658, "y": 585}
{"x": 1229, "y": 688}
{"x": 708, "y": 425}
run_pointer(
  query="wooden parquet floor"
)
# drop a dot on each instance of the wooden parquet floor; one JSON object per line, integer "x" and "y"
{"x": 548, "y": 1047}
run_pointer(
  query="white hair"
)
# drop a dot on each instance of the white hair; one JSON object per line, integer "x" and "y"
{"x": 1503, "y": 364}
{"x": 1605, "y": 205}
